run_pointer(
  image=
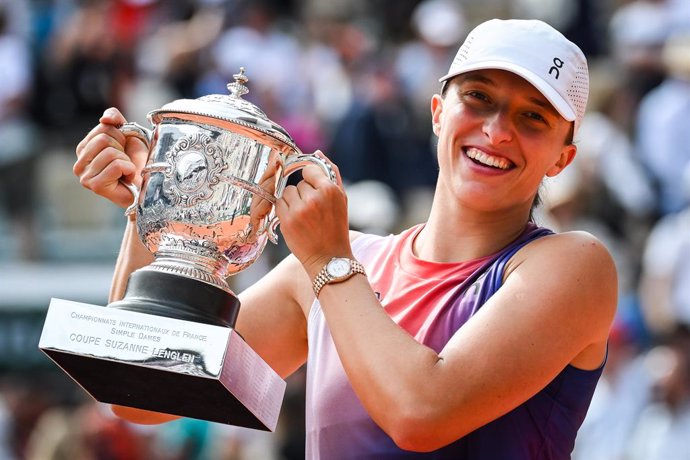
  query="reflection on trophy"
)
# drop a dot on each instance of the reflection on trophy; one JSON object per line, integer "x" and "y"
{"x": 205, "y": 210}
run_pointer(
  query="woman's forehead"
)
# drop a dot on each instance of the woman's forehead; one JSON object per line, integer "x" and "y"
{"x": 515, "y": 85}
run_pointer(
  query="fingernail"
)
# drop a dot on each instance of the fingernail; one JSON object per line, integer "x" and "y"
{"x": 108, "y": 113}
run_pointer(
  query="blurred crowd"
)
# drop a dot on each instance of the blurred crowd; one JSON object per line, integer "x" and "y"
{"x": 354, "y": 78}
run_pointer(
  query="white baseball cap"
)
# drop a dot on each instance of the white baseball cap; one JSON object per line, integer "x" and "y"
{"x": 535, "y": 51}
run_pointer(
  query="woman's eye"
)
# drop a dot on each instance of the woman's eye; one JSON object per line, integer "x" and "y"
{"x": 535, "y": 116}
{"x": 478, "y": 95}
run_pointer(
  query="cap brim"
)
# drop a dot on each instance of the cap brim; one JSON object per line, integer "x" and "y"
{"x": 547, "y": 90}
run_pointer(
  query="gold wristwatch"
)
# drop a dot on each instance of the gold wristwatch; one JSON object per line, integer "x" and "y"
{"x": 336, "y": 270}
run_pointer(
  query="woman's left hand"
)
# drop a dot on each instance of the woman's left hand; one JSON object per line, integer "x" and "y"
{"x": 313, "y": 218}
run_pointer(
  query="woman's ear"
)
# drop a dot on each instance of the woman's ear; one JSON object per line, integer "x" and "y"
{"x": 564, "y": 159}
{"x": 436, "y": 111}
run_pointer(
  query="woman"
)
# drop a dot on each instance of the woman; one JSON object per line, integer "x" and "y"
{"x": 476, "y": 335}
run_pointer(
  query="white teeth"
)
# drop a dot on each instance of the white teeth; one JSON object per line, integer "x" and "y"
{"x": 486, "y": 159}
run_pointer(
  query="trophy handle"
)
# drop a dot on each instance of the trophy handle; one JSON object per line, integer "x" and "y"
{"x": 145, "y": 135}
{"x": 132, "y": 208}
{"x": 136, "y": 130}
{"x": 293, "y": 164}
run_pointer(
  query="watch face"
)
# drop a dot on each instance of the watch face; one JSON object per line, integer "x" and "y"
{"x": 338, "y": 267}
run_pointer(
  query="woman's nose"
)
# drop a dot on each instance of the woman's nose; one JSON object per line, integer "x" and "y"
{"x": 497, "y": 127}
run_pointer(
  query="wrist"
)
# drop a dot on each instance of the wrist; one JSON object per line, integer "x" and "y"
{"x": 315, "y": 264}
{"x": 336, "y": 270}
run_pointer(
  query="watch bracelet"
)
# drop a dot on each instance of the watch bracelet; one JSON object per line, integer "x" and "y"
{"x": 322, "y": 279}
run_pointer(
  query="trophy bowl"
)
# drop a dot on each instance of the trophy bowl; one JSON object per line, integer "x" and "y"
{"x": 205, "y": 210}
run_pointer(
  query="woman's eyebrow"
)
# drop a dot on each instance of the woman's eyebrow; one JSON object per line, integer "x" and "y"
{"x": 543, "y": 103}
{"x": 472, "y": 77}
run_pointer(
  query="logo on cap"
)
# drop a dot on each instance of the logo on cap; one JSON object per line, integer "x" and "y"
{"x": 557, "y": 65}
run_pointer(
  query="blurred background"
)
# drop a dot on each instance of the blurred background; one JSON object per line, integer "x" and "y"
{"x": 353, "y": 78}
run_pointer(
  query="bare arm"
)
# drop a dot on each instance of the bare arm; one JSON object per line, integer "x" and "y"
{"x": 543, "y": 318}
{"x": 546, "y": 315}
{"x": 133, "y": 255}
{"x": 272, "y": 316}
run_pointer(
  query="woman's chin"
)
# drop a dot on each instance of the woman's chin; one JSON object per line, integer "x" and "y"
{"x": 142, "y": 417}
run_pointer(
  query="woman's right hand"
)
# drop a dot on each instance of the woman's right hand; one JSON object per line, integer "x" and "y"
{"x": 106, "y": 156}
{"x": 141, "y": 416}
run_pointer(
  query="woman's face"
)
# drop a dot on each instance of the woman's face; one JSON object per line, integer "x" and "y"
{"x": 498, "y": 138}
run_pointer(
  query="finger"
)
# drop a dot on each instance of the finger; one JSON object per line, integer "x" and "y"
{"x": 106, "y": 182}
{"x": 110, "y": 122}
{"x": 99, "y": 142}
{"x": 307, "y": 192}
{"x": 290, "y": 196}
{"x": 315, "y": 176}
{"x": 105, "y": 158}
{"x": 113, "y": 117}
{"x": 333, "y": 166}
{"x": 282, "y": 205}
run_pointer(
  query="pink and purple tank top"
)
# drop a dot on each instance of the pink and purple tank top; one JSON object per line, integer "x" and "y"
{"x": 432, "y": 301}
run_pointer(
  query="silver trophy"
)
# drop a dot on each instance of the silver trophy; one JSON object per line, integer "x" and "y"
{"x": 205, "y": 210}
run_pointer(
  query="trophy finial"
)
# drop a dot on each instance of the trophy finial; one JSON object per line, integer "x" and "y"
{"x": 237, "y": 88}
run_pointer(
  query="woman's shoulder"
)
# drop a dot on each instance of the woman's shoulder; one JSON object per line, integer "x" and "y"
{"x": 574, "y": 276}
{"x": 577, "y": 244}
{"x": 571, "y": 257}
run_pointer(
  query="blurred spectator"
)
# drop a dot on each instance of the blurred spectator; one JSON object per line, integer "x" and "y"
{"x": 5, "y": 431}
{"x": 269, "y": 54}
{"x": 333, "y": 9}
{"x": 174, "y": 53}
{"x": 568, "y": 203}
{"x": 18, "y": 146}
{"x": 25, "y": 400}
{"x": 663, "y": 137}
{"x": 680, "y": 15}
{"x": 325, "y": 72}
{"x": 182, "y": 439}
{"x": 439, "y": 25}
{"x": 85, "y": 69}
{"x": 665, "y": 282}
{"x": 582, "y": 21}
{"x": 559, "y": 13}
{"x": 88, "y": 432}
{"x": 606, "y": 156}
{"x": 662, "y": 429}
{"x": 171, "y": 61}
{"x": 364, "y": 141}
{"x": 638, "y": 31}
{"x": 372, "y": 207}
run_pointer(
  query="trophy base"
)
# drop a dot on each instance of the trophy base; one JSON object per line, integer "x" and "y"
{"x": 163, "y": 364}
{"x": 175, "y": 296}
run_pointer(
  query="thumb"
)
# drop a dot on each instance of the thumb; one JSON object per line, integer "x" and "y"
{"x": 113, "y": 116}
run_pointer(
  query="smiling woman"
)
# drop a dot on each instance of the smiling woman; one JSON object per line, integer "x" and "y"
{"x": 497, "y": 130}
{"x": 465, "y": 337}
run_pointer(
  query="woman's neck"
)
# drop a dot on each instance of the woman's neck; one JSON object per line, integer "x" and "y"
{"x": 455, "y": 233}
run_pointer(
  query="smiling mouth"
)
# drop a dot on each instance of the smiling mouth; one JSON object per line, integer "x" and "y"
{"x": 482, "y": 158}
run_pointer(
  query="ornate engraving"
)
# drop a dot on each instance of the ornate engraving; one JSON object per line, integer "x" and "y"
{"x": 194, "y": 246}
{"x": 189, "y": 272}
{"x": 197, "y": 162}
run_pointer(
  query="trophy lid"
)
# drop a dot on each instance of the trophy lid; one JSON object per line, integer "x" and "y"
{"x": 230, "y": 108}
